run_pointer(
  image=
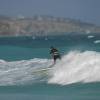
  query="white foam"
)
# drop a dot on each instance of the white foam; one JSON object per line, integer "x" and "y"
{"x": 90, "y": 36}
{"x": 74, "y": 67}
{"x": 77, "y": 67}
{"x": 97, "y": 41}
{"x": 21, "y": 72}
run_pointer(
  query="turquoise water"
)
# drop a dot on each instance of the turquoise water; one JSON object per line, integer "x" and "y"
{"x": 18, "y": 48}
{"x": 75, "y": 77}
{"x": 54, "y": 92}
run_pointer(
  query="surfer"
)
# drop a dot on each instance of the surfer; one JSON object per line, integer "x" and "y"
{"x": 55, "y": 54}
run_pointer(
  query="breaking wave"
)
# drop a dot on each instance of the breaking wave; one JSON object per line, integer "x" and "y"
{"x": 22, "y": 72}
{"x": 77, "y": 67}
{"x": 74, "y": 67}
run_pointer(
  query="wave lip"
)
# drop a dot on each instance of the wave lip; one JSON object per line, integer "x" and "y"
{"x": 77, "y": 67}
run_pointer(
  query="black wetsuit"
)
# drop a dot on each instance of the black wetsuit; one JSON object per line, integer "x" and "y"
{"x": 55, "y": 54}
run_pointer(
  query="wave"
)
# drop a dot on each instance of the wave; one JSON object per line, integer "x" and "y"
{"x": 22, "y": 72}
{"x": 75, "y": 67}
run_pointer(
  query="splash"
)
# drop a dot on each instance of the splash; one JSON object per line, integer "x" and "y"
{"x": 77, "y": 67}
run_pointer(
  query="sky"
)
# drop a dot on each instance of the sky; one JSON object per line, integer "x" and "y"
{"x": 84, "y": 10}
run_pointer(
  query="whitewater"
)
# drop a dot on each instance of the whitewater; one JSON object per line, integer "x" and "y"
{"x": 77, "y": 67}
{"x": 74, "y": 67}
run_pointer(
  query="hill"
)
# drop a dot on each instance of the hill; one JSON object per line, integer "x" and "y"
{"x": 43, "y": 25}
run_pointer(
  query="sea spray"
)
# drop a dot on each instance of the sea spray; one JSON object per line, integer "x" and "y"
{"x": 75, "y": 67}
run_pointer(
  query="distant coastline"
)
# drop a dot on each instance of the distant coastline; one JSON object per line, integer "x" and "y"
{"x": 43, "y": 25}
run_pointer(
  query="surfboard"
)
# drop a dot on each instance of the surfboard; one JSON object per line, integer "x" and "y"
{"x": 43, "y": 69}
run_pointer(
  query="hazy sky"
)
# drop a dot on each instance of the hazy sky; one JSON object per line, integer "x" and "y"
{"x": 85, "y": 10}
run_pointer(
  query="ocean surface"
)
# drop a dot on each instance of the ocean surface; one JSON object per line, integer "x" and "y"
{"x": 76, "y": 76}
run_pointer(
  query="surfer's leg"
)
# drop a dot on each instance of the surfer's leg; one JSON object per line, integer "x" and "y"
{"x": 55, "y": 59}
{"x": 58, "y": 57}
